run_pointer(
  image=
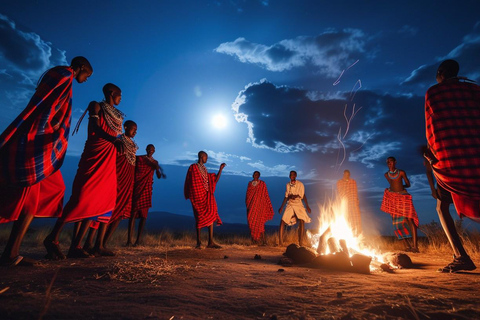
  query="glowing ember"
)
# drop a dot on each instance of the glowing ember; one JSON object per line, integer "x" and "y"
{"x": 335, "y": 234}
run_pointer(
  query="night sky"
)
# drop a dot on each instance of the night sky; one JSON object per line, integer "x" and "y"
{"x": 312, "y": 86}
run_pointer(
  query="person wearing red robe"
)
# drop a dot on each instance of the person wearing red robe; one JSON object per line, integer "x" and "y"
{"x": 452, "y": 123}
{"x": 347, "y": 189}
{"x": 94, "y": 188}
{"x": 125, "y": 180}
{"x": 259, "y": 208}
{"x": 32, "y": 149}
{"x": 145, "y": 166}
{"x": 199, "y": 187}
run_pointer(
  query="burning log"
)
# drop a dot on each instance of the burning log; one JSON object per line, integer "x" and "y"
{"x": 338, "y": 259}
{"x": 322, "y": 241}
{"x": 399, "y": 260}
{"x": 333, "y": 245}
{"x": 300, "y": 254}
{"x": 361, "y": 263}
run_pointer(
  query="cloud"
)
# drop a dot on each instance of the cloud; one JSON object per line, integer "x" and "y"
{"x": 24, "y": 56}
{"x": 466, "y": 53}
{"x": 286, "y": 120}
{"x": 331, "y": 52}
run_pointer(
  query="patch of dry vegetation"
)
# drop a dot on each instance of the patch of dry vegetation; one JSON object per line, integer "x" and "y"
{"x": 150, "y": 271}
{"x": 434, "y": 241}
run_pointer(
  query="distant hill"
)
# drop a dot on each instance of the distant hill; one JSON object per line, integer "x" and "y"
{"x": 161, "y": 220}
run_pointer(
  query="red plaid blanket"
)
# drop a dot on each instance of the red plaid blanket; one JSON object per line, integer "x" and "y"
{"x": 259, "y": 208}
{"x": 399, "y": 204}
{"x": 348, "y": 190}
{"x": 125, "y": 182}
{"x": 203, "y": 201}
{"x": 33, "y": 146}
{"x": 452, "y": 116}
{"x": 143, "y": 186}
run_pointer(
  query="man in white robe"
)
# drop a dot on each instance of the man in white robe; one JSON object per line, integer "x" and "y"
{"x": 294, "y": 210}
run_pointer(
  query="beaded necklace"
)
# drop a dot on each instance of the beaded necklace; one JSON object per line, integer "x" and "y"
{"x": 204, "y": 174}
{"x": 113, "y": 117}
{"x": 393, "y": 175}
{"x": 254, "y": 183}
{"x": 130, "y": 148}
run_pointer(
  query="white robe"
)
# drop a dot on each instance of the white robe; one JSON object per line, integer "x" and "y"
{"x": 295, "y": 209}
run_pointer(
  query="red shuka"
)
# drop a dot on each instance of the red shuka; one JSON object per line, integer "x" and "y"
{"x": 33, "y": 146}
{"x": 94, "y": 190}
{"x": 202, "y": 197}
{"x": 43, "y": 199}
{"x": 399, "y": 204}
{"x": 259, "y": 208}
{"x": 348, "y": 190}
{"x": 125, "y": 182}
{"x": 143, "y": 186}
{"x": 452, "y": 117}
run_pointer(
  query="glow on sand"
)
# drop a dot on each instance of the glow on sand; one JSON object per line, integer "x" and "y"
{"x": 335, "y": 217}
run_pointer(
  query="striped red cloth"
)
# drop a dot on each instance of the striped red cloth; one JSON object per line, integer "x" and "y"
{"x": 125, "y": 182}
{"x": 347, "y": 189}
{"x": 399, "y": 204}
{"x": 202, "y": 197}
{"x": 94, "y": 190}
{"x": 259, "y": 208}
{"x": 452, "y": 117}
{"x": 33, "y": 146}
{"x": 43, "y": 199}
{"x": 143, "y": 186}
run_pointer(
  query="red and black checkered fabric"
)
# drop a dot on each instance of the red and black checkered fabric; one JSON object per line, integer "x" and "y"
{"x": 143, "y": 186}
{"x": 399, "y": 204}
{"x": 125, "y": 183}
{"x": 33, "y": 146}
{"x": 203, "y": 201}
{"x": 452, "y": 116}
{"x": 259, "y": 208}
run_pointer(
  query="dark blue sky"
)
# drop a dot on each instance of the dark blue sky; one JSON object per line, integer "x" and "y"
{"x": 312, "y": 86}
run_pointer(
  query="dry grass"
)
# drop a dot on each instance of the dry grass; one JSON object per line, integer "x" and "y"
{"x": 435, "y": 240}
{"x": 149, "y": 271}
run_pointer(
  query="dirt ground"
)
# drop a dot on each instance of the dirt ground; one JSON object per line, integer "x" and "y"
{"x": 229, "y": 283}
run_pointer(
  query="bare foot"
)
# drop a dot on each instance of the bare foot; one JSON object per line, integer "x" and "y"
{"x": 53, "y": 250}
{"x": 198, "y": 246}
{"x": 213, "y": 245}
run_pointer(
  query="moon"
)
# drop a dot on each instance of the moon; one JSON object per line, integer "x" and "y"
{"x": 219, "y": 121}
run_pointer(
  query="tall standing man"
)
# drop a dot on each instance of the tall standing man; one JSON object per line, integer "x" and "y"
{"x": 452, "y": 117}
{"x": 294, "y": 210}
{"x": 32, "y": 149}
{"x": 200, "y": 188}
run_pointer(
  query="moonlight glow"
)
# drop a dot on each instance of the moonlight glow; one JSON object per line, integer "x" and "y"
{"x": 219, "y": 121}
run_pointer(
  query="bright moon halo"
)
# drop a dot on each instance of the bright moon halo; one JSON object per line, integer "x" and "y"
{"x": 219, "y": 121}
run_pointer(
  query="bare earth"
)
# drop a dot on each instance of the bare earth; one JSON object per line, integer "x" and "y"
{"x": 228, "y": 283}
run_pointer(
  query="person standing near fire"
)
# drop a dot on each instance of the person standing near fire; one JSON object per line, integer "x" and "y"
{"x": 398, "y": 203}
{"x": 347, "y": 189}
{"x": 294, "y": 210}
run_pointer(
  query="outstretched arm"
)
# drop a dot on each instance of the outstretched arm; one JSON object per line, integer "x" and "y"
{"x": 159, "y": 172}
{"x": 219, "y": 172}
